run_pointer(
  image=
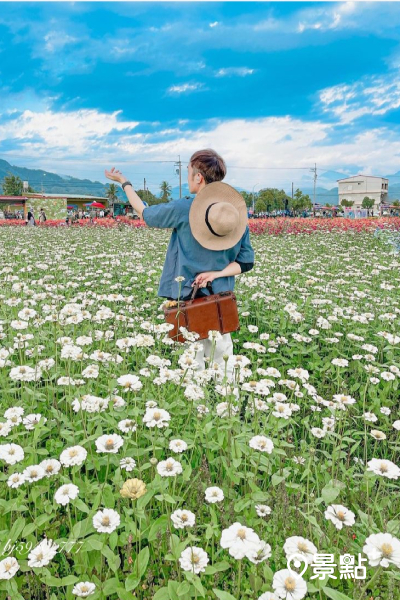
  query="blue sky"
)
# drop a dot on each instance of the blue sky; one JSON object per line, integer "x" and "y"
{"x": 268, "y": 84}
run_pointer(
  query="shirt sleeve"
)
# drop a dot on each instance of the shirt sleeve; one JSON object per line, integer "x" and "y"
{"x": 246, "y": 252}
{"x": 163, "y": 216}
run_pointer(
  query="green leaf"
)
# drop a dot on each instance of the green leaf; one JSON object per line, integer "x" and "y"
{"x": 161, "y": 594}
{"x": 139, "y": 569}
{"x": 113, "y": 560}
{"x": 223, "y": 595}
{"x": 335, "y": 595}
{"x": 159, "y": 525}
{"x": 221, "y": 566}
{"x": 131, "y": 582}
{"x": 329, "y": 493}
{"x": 173, "y": 590}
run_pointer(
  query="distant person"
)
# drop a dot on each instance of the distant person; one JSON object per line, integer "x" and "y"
{"x": 42, "y": 216}
{"x": 101, "y": 214}
{"x": 30, "y": 220}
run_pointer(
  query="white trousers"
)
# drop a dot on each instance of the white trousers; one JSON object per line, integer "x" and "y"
{"x": 223, "y": 347}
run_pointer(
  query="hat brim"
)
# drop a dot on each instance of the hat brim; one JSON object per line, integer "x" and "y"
{"x": 211, "y": 193}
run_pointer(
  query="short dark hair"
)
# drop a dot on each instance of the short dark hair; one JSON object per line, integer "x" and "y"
{"x": 210, "y": 164}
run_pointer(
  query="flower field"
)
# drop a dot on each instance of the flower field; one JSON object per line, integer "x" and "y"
{"x": 125, "y": 473}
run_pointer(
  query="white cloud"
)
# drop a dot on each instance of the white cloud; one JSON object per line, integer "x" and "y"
{"x": 65, "y": 132}
{"x": 239, "y": 71}
{"x": 375, "y": 95}
{"x": 184, "y": 88}
{"x": 332, "y": 16}
{"x": 213, "y": 24}
{"x": 57, "y": 40}
{"x": 96, "y": 140}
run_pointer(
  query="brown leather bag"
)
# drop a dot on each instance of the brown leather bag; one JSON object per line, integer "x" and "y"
{"x": 216, "y": 312}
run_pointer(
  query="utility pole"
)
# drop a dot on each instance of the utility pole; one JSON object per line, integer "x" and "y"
{"x": 179, "y": 172}
{"x": 314, "y": 170}
{"x": 292, "y": 190}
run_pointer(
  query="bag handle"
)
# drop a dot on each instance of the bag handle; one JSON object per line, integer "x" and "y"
{"x": 196, "y": 289}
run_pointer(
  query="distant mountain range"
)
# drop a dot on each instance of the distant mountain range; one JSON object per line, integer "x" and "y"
{"x": 40, "y": 180}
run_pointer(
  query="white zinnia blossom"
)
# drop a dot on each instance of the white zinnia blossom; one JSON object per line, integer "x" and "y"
{"x": 262, "y": 443}
{"x": 193, "y": 559}
{"x": 83, "y": 589}
{"x": 382, "y": 549}
{"x": 11, "y": 453}
{"x": 25, "y": 373}
{"x": 214, "y": 494}
{"x": 73, "y": 456}
{"x": 109, "y": 443}
{"x": 130, "y": 383}
{"x": 300, "y": 545}
{"x": 263, "y": 510}
{"x": 106, "y": 520}
{"x": 289, "y": 586}
{"x": 340, "y": 515}
{"x": 65, "y": 493}
{"x": 169, "y": 468}
{"x": 15, "y": 480}
{"x": 263, "y": 552}
{"x": 51, "y": 466}
{"x": 33, "y": 473}
{"x": 240, "y": 541}
{"x": 156, "y": 417}
{"x": 127, "y": 463}
{"x": 8, "y": 567}
{"x": 386, "y": 468}
{"x": 42, "y": 554}
{"x": 177, "y": 446}
{"x": 183, "y": 518}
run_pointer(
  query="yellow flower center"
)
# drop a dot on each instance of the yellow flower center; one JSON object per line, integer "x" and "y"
{"x": 290, "y": 584}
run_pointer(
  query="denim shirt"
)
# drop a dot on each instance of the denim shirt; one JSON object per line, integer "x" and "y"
{"x": 186, "y": 257}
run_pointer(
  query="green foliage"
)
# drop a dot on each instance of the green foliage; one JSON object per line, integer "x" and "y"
{"x": 165, "y": 191}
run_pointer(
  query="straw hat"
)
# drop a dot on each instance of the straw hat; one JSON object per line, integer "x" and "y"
{"x": 218, "y": 216}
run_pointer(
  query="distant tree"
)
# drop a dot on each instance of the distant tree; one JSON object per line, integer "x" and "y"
{"x": 12, "y": 186}
{"x": 166, "y": 191}
{"x": 112, "y": 192}
{"x": 148, "y": 197}
{"x": 274, "y": 199}
{"x": 260, "y": 205}
{"x": 367, "y": 202}
{"x": 396, "y": 203}
{"x": 347, "y": 203}
{"x": 248, "y": 198}
{"x": 300, "y": 201}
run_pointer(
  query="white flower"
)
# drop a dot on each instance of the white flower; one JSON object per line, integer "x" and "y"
{"x": 33, "y": 473}
{"x": 42, "y": 554}
{"x": 15, "y": 480}
{"x": 193, "y": 559}
{"x": 177, "y": 446}
{"x": 289, "y": 586}
{"x": 263, "y": 510}
{"x": 387, "y": 376}
{"x": 263, "y": 552}
{"x": 109, "y": 443}
{"x": 30, "y": 421}
{"x": 382, "y": 549}
{"x": 83, "y": 589}
{"x": 396, "y": 425}
{"x": 130, "y": 383}
{"x": 384, "y": 467}
{"x": 340, "y": 362}
{"x": 378, "y": 435}
{"x": 213, "y": 495}
{"x": 24, "y": 373}
{"x": 183, "y": 518}
{"x": 50, "y": 466}
{"x": 226, "y": 409}
{"x": 11, "y": 453}
{"x": 169, "y": 468}
{"x": 65, "y": 493}
{"x": 240, "y": 541}
{"x": 300, "y": 545}
{"x": 340, "y": 515}
{"x": 106, "y": 520}
{"x": 8, "y": 567}
{"x": 5, "y": 428}
{"x": 262, "y": 443}
{"x": 318, "y": 432}
{"x": 385, "y": 410}
{"x": 73, "y": 456}
{"x": 156, "y": 417}
{"x": 370, "y": 417}
{"x": 268, "y": 596}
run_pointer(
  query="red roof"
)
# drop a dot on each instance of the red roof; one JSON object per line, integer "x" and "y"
{"x": 13, "y": 198}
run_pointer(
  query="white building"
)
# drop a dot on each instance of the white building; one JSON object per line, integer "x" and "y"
{"x": 356, "y": 188}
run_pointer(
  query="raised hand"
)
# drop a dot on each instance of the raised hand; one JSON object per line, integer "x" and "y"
{"x": 115, "y": 175}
